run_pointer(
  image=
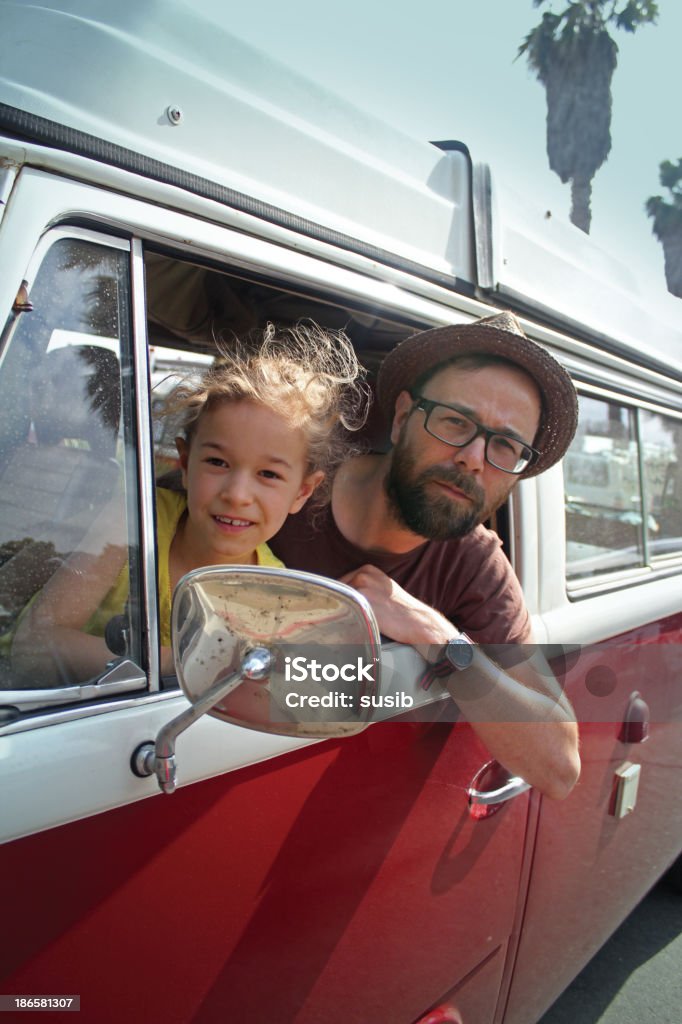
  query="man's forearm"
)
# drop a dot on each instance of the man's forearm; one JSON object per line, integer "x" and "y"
{"x": 529, "y": 728}
{"x": 520, "y": 712}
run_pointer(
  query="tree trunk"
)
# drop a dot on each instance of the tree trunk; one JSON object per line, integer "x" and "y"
{"x": 672, "y": 252}
{"x": 581, "y": 194}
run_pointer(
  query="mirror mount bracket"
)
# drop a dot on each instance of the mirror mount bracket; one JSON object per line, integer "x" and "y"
{"x": 159, "y": 758}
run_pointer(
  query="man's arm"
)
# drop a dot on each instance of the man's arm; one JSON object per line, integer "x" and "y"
{"x": 520, "y": 712}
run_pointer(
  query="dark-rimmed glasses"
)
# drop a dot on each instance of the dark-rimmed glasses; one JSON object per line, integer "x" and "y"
{"x": 449, "y": 424}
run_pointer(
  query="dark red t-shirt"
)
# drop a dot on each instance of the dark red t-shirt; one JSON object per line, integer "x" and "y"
{"x": 469, "y": 580}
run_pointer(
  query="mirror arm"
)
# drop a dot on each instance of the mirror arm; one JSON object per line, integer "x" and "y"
{"x": 159, "y": 758}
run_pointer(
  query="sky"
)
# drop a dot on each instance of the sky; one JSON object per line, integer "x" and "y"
{"x": 446, "y": 69}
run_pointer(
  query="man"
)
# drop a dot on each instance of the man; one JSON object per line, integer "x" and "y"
{"x": 473, "y": 408}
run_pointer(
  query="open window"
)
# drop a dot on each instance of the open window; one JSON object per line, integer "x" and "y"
{"x": 191, "y": 307}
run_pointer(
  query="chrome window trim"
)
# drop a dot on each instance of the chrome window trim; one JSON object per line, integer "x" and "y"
{"x": 632, "y": 402}
{"x": 50, "y": 717}
{"x": 589, "y": 364}
{"x": 623, "y": 580}
{"x": 118, "y": 677}
{"x": 643, "y": 489}
{"x": 145, "y": 465}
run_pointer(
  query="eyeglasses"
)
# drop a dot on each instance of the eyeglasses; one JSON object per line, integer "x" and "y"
{"x": 456, "y": 428}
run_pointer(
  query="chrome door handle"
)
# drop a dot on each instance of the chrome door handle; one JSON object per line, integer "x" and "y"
{"x": 514, "y": 786}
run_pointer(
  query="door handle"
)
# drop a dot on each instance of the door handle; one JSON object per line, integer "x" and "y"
{"x": 514, "y": 787}
{"x": 492, "y": 787}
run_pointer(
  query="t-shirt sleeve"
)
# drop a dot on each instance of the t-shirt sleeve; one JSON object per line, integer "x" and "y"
{"x": 490, "y": 607}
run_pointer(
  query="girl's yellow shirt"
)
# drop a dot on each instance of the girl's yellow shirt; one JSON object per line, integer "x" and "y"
{"x": 170, "y": 505}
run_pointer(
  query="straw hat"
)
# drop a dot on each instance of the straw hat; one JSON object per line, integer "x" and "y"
{"x": 500, "y": 335}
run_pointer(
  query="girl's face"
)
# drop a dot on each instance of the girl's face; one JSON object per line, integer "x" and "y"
{"x": 244, "y": 471}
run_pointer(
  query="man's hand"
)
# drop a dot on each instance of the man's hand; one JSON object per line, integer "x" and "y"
{"x": 400, "y": 616}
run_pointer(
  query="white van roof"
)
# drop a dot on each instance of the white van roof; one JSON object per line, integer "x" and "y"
{"x": 115, "y": 70}
{"x": 104, "y": 79}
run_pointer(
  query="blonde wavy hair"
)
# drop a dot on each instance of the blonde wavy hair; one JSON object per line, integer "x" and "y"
{"x": 306, "y": 373}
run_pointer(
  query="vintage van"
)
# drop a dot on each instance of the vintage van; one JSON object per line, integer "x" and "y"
{"x": 161, "y": 182}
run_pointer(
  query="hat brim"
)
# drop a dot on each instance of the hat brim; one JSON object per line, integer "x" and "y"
{"x": 427, "y": 350}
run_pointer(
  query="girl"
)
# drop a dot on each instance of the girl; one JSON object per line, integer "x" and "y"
{"x": 259, "y": 434}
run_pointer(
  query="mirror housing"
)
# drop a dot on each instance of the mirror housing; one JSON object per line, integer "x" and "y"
{"x": 220, "y": 614}
{"x": 275, "y": 650}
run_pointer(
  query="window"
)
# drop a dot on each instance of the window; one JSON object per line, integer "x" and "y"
{"x": 623, "y": 491}
{"x": 661, "y": 438}
{"x": 67, "y": 466}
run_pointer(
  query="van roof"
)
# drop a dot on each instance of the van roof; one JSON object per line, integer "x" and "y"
{"x": 171, "y": 88}
{"x": 115, "y": 70}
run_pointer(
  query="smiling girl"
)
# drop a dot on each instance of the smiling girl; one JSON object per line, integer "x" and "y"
{"x": 259, "y": 434}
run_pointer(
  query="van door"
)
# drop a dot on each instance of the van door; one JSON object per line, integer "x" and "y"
{"x": 339, "y": 880}
{"x": 611, "y": 590}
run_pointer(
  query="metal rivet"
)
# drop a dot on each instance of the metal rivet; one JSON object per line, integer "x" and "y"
{"x": 174, "y": 114}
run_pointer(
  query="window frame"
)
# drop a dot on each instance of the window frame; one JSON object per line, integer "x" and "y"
{"x": 124, "y": 676}
{"x": 655, "y": 566}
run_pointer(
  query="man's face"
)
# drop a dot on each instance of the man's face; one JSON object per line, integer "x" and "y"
{"x": 441, "y": 492}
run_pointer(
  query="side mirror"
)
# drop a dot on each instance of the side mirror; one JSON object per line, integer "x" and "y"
{"x": 275, "y": 650}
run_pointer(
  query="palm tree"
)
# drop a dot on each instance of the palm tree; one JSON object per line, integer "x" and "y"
{"x": 667, "y": 226}
{"x": 574, "y": 57}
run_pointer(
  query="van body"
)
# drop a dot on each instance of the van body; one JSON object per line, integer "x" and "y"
{"x": 163, "y": 185}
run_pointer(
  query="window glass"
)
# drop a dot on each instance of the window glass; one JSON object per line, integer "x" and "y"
{"x": 170, "y": 367}
{"x": 662, "y": 455}
{"x": 603, "y": 492}
{"x": 67, "y": 470}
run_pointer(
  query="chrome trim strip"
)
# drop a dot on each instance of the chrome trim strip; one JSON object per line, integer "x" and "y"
{"x": 576, "y": 590}
{"x": 512, "y": 788}
{"x": 630, "y": 400}
{"x": 145, "y": 463}
{"x": 70, "y": 714}
{"x": 121, "y": 677}
{"x": 643, "y": 490}
{"x": 482, "y": 196}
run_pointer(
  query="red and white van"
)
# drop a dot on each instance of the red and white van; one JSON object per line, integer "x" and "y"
{"x": 159, "y": 182}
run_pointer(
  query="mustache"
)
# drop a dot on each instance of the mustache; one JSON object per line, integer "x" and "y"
{"x": 453, "y": 476}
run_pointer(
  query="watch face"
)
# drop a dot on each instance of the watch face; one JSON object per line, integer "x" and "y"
{"x": 460, "y": 652}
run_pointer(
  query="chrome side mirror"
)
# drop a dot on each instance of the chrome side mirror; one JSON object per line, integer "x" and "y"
{"x": 270, "y": 649}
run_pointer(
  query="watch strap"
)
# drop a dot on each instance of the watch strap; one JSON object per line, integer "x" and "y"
{"x": 438, "y": 670}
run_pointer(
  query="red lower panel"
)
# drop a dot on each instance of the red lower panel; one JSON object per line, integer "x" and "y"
{"x": 342, "y": 883}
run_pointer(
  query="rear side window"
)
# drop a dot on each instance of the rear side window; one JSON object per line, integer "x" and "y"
{"x": 661, "y": 438}
{"x": 66, "y": 452}
{"x": 622, "y": 489}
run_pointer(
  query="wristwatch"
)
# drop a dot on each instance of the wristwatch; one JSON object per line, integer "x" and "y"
{"x": 459, "y": 651}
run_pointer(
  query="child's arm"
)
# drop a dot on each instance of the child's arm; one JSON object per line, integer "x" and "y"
{"x": 50, "y": 645}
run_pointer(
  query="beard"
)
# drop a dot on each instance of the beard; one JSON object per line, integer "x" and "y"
{"x": 415, "y": 505}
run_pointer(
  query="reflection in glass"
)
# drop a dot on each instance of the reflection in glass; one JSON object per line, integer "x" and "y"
{"x": 662, "y": 456}
{"x": 63, "y": 444}
{"x": 603, "y": 492}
